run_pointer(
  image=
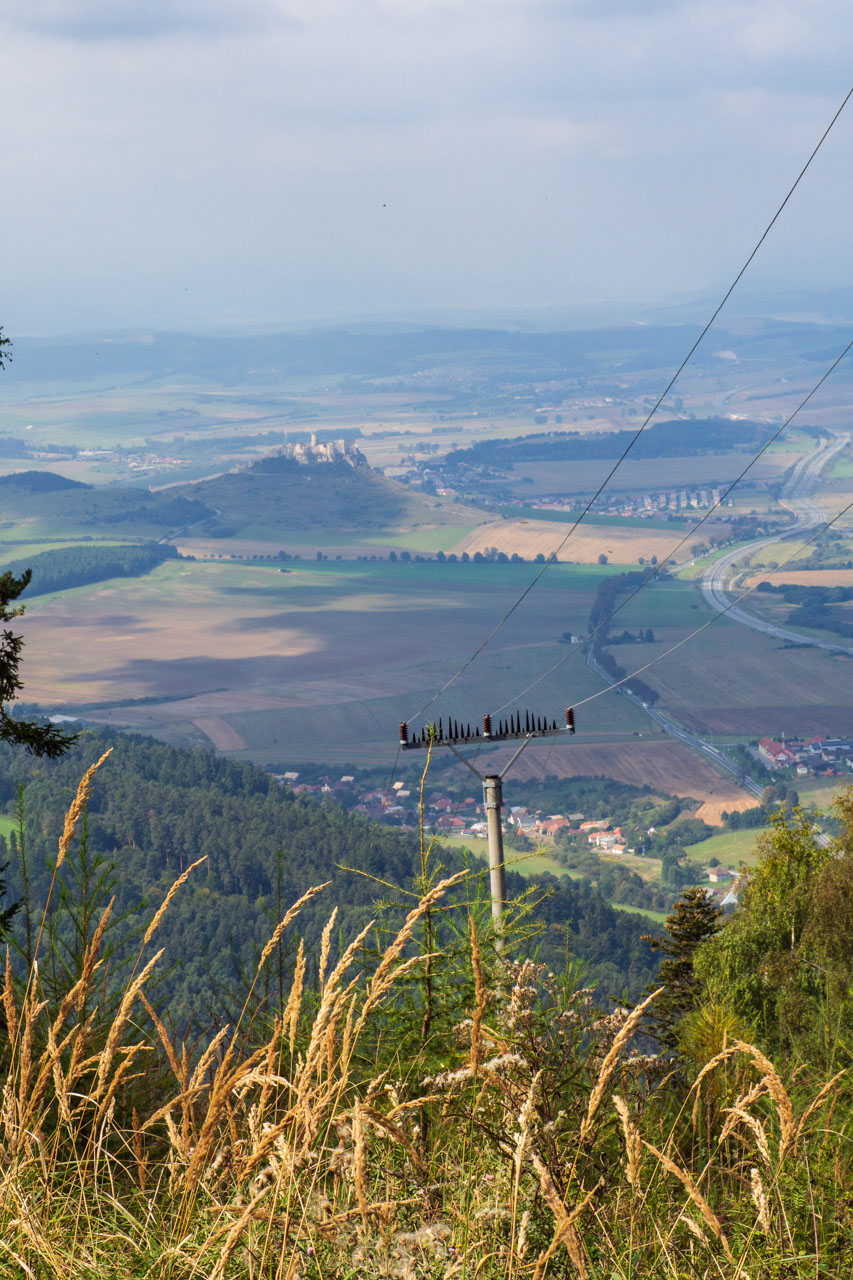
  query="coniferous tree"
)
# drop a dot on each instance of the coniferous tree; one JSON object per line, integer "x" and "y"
{"x": 38, "y": 739}
{"x": 693, "y": 920}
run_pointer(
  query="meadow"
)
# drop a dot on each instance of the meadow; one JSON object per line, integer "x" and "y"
{"x": 731, "y": 848}
{"x": 405, "y": 1113}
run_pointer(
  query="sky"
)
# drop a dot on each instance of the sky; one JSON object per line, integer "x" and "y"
{"x": 192, "y": 164}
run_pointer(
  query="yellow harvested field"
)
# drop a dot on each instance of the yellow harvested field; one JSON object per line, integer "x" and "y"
{"x": 806, "y": 578}
{"x": 712, "y": 810}
{"x": 529, "y": 538}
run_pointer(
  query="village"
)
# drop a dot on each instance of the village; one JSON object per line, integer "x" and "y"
{"x": 813, "y": 756}
{"x": 559, "y": 835}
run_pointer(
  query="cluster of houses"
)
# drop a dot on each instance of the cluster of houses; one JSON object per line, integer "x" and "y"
{"x": 398, "y": 805}
{"x": 810, "y": 756}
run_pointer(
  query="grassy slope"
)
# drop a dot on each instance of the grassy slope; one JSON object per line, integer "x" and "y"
{"x": 731, "y": 848}
{"x": 321, "y": 497}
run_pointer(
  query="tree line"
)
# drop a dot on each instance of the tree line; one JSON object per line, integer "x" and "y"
{"x": 76, "y": 566}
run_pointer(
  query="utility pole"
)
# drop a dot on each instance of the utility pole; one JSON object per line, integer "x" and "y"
{"x": 505, "y": 731}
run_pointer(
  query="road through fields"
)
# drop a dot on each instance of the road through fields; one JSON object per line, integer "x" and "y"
{"x": 807, "y": 515}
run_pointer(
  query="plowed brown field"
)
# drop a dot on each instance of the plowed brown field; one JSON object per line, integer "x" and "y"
{"x": 666, "y": 766}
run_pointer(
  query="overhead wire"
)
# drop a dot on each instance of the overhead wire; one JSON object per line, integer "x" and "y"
{"x": 656, "y": 569}
{"x": 552, "y": 557}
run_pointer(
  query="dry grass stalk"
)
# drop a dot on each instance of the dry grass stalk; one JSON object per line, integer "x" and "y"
{"x": 9, "y": 1006}
{"x": 479, "y": 997}
{"x": 525, "y": 1129}
{"x": 521, "y": 1238}
{"x": 633, "y": 1144}
{"x": 290, "y": 1017}
{"x": 287, "y": 919}
{"x": 31, "y": 1010}
{"x": 120, "y": 1022}
{"x": 383, "y": 1122}
{"x": 164, "y": 905}
{"x": 759, "y": 1197}
{"x": 728, "y": 1051}
{"x": 225, "y": 1080}
{"x": 164, "y": 1040}
{"x": 737, "y": 1115}
{"x": 72, "y": 817}
{"x": 817, "y": 1102}
{"x": 385, "y": 975}
{"x": 234, "y": 1232}
{"x": 608, "y": 1066}
{"x": 203, "y": 1064}
{"x": 325, "y": 945}
{"x": 565, "y": 1231}
{"x": 779, "y": 1094}
{"x": 359, "y": 1164}
{"x": 695, "y": 1195}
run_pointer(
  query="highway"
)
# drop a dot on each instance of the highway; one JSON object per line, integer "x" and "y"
{"x": 807, "y": 516}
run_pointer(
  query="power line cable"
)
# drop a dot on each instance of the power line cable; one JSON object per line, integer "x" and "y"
{"x": 509, "y": 612}
{"x": 656, "y": 569}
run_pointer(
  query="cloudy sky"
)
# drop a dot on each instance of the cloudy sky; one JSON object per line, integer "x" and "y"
{"x": 211, "y": 162}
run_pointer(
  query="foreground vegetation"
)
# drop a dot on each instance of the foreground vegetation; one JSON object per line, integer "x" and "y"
{"x": 428, "y": 1105}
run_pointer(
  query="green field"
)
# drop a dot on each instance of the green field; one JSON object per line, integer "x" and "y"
{"x": 731, "y": 848}
{"x": 526, "y": 864}
{"x": 658, "y": 916}
{"x": 7, "y": 825}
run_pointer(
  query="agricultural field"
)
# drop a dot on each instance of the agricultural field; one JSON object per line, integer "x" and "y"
{"x": 323, "y": 656}
{"x": 731, "y": 848}
{"x": 642, "y": 474}
{"x": 655, "y": 761}
{"x": 729, "y": 679}
{"x": 529, "y": 538}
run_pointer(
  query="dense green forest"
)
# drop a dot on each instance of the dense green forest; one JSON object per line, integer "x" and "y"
{"x": 155, "y": 809}
{"x": 78, "y": 565}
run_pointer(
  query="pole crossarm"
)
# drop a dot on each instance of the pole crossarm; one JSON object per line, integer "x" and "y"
{"x": 511, "y": 730}
{"x": 456, "y": 735}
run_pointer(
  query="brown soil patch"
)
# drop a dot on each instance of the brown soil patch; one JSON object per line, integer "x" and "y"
{"x": 529, "y": 538}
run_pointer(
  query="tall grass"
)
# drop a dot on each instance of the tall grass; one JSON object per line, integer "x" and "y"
{"x": 544, "y": 1145}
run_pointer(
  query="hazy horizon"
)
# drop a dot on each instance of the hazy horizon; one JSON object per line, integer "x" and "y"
{"x": 187, "y": 164}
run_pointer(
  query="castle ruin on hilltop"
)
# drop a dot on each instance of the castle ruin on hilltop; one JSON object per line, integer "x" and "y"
{"x": 325, "y": 451}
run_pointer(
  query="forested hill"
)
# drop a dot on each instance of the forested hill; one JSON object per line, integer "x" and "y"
{"x": 676, "y": 437}
{"x": 155, "y": 809}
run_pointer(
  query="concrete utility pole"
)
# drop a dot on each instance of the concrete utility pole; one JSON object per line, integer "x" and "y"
{"x": 492, "y": 802}
{"x": 506, "y": 731}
